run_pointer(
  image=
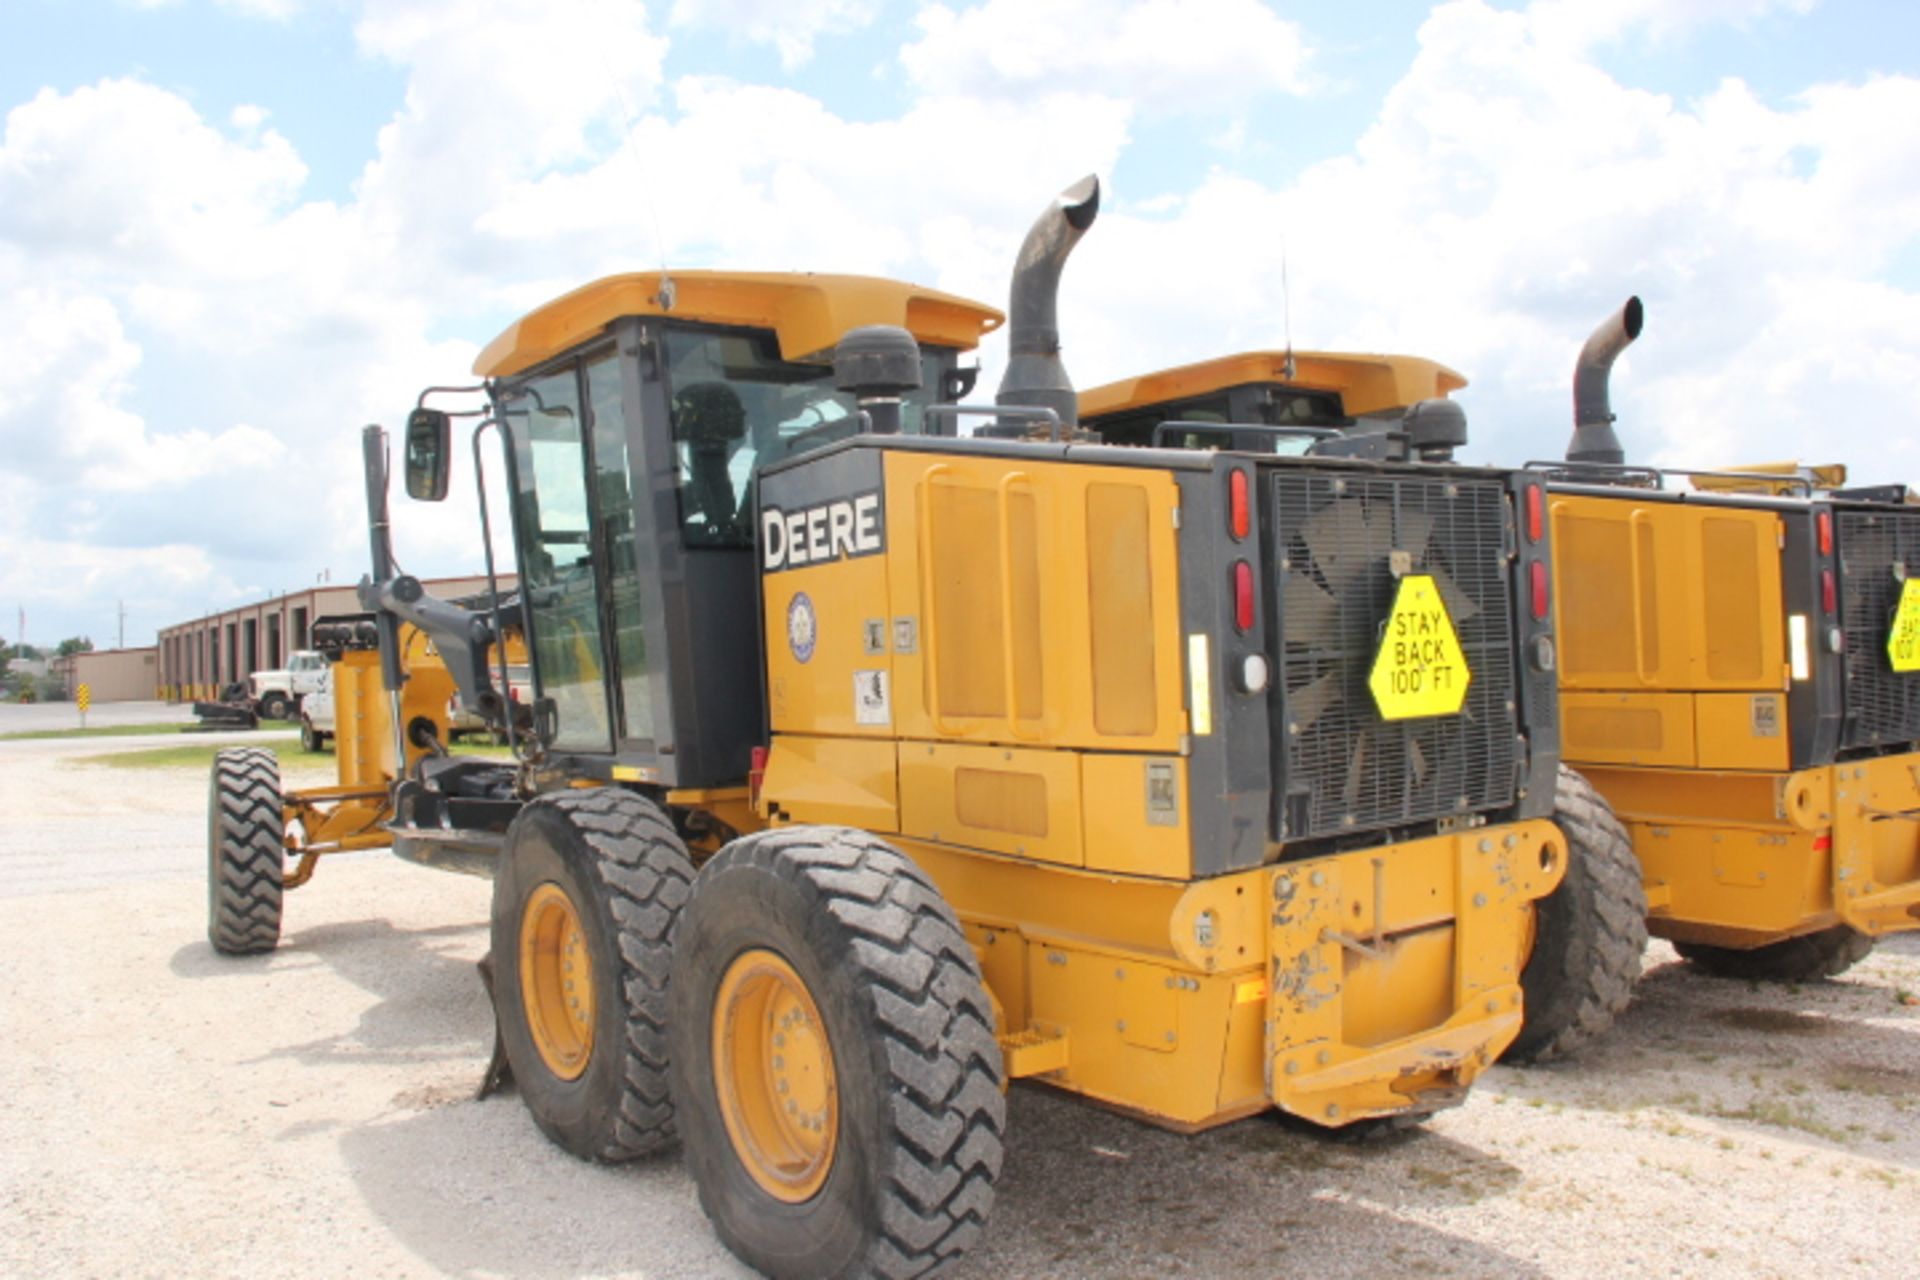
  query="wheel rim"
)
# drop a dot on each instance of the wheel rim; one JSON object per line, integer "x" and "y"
{"x": 773, "y": 1072}
{"x": 556, "y": 981}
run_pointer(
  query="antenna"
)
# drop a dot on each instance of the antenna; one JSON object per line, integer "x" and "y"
{"x": 1286, "y": 306}
{"x": 665, "y": 295}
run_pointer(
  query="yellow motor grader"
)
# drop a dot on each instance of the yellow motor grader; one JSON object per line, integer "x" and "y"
{"x": 1739, "y": 654}
{"x": 1740, "y": 675}
{"x": 871, "y": 765}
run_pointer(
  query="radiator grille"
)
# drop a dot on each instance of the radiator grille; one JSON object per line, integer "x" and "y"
{"x": 1346, "y": 768}
{"x": 1883, "y": 706}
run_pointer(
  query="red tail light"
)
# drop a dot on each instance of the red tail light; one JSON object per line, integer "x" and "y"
{"x": 1536, "y": 513}
{"x": 1823, "y": 843}
{"x": 1542, "y": 599}
{"x": 756, "y": 774}
{"x": 1829, "y": 597}
{"x": 1823, "y": 528}
{"x": 1239, "y": 510}
{"x": 1243, "y": 595}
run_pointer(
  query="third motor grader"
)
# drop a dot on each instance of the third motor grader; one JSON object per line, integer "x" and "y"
{"x": 871, "y": 765}
{"x": 1740, "y": 675}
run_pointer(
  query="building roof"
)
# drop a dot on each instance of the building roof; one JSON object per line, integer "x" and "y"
{"x": 808, "y": 312}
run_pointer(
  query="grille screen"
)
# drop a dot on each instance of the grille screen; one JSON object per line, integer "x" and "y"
{"x": 1346, "y": 768}
{"x": 1882, "y": 705}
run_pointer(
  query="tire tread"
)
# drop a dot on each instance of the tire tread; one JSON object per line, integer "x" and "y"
{"x": 1811, "y": 957}
{"x": 931, "y": 1014}
{"x": 1588, "y": 981}
{"x": 246, "y": 863}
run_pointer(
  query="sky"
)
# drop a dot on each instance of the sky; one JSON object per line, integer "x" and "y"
{"x": 234, "y": 231}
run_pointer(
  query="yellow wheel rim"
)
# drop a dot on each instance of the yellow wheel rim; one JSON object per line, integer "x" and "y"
{"x": 773, "y": 1072}
{"x": 556, "y": 981}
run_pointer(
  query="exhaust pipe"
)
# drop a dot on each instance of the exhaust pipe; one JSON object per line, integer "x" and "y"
{"x": 1035, "y": 376}
{"x": 1593, "y": 436}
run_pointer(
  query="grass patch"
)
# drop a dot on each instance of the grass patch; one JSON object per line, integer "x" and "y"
{"x": 200, "y": 756}
{"x": 103, "y": 731}
{"x": 1779, "y": 1114}
{"x": 197, "y": 756}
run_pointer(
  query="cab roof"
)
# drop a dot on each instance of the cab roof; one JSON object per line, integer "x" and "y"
{"x": 1366, "y": 383}
{"x": 807, "y": 312}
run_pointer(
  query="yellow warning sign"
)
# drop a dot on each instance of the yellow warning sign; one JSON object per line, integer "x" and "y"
{"x": 1903, "y": 640}
{"x": 85, "y": 696}
{"x": 1420, "y": 669}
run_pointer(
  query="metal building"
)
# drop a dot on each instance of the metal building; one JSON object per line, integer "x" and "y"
{"x": 198, "y": 658}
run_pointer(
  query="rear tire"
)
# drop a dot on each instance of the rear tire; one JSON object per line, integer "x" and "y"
{"x": 246, "y": 844}
{"x": 274, "y": 706}
{"x": 1808, "y": 958}
{"x": 1589, "y": 933}
{"x": 886, "y": 1166}
{"x": 311, "y": 739}
{"x": 594, "y": 879}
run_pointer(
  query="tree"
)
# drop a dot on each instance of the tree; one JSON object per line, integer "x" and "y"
{"x": 74, "y": 644}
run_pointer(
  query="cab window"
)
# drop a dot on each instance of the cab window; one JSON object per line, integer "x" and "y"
{"x": 736, "y": 405}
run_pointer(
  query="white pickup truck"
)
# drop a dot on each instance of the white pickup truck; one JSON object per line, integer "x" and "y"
{"x": 316, "y": 713}
{"x": 278, "y": 694}
{"x": 317, "y": 718}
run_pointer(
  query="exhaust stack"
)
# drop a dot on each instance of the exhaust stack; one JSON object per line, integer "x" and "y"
{"x": 1593, "y": 436}
{"x": 1035, "y": 375}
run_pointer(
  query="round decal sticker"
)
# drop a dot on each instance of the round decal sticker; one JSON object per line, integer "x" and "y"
{"x": 802, "y": 629}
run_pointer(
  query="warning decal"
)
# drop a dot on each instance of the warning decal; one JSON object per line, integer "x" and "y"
{"x": 1420, "y": 669}
{"x": 1903, "y": 641}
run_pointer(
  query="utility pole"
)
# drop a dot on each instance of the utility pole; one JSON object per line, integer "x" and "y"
{"x": 122, "y": 642}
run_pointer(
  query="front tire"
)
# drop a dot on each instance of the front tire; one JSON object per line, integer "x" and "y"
{"x": 834, "y": 1062}
{"x": 584, "y": 907}
{"x": 1811, "y": 957}
{"x": 275, "y": 705}
{"x": 246, "y": 843}
{"x": 311, "y": 739}
{"x": 1588, "y": 933}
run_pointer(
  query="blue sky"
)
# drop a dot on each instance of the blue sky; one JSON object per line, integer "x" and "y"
{"x": 231, "y": 231}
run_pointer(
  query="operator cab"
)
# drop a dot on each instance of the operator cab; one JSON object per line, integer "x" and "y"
{"x": 638, "y": 411}
{"x": 1324, "y": 404}
{"x": 1289, "y": 403}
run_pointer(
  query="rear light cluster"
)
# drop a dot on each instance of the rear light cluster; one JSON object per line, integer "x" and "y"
{"x": 1829, "y": 583}
{"x": 1252, "y": 674}
{"x": 1239, "y": 526}
{"x": 1539, "y": 586}
{"x": 1823, "y": 535}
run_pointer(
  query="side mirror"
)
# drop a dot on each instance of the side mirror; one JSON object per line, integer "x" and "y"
{"x": 429, "y": 454}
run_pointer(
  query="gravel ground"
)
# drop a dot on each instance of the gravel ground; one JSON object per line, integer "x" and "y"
{"x": 309, "y": 1113}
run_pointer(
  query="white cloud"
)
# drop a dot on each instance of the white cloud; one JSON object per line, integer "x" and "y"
{"x": 1510, "y": 195}
{"x": 790, "y": 26}
{"x": 1171, "y": 56}
{"x": 530, "y": 86}
{"x": 122, "y": 167}
{"x": 1577, "y": 24}
{"x": 191, "y": 343}
{"x": 277, "y": 10}
{"x": 726, "y": 191}
{"x": 65, "y": 367}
